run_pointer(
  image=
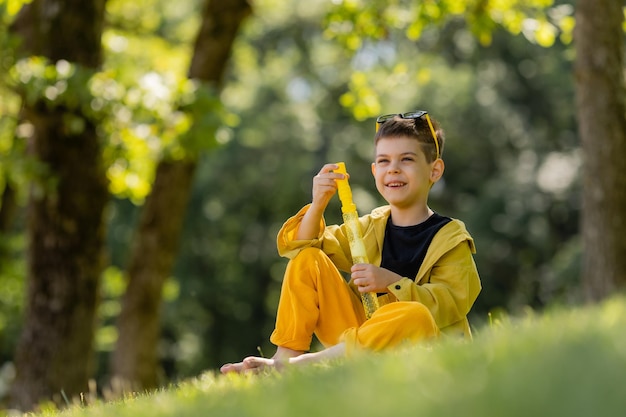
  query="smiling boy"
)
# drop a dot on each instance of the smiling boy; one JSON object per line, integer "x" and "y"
{"x": 421, "y": 263}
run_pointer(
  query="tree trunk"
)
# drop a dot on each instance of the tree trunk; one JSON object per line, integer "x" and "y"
{"x": 600, "y": 95}
{"x": 8, "y": 207}
{"x": 135, "y": 360}
{"x": 65, "y": 222}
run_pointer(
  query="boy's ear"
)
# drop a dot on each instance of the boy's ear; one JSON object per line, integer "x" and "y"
{"x": 374, "y": 168}
{"x": 436, "y": 172}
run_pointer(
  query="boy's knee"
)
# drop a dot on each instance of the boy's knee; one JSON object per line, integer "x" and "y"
{"x": 422, "y": 319}
{"x": 416, "y": 310}
{"x": 309, "y": 263}
{"x": 308, "y": 255}
{"x": 413, "y": 318}
{"x": 391, "y": 325}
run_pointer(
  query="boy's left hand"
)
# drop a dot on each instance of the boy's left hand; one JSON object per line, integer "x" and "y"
{"x": 372, "y": 278}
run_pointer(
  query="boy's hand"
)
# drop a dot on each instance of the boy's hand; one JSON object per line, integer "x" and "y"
{"x": 372, "y": 278}
{"x": 325, "y": 186}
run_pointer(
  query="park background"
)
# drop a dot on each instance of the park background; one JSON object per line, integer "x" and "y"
{"x": 301, "y": 85}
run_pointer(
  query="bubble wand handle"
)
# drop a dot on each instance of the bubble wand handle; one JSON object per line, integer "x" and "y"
{"x": 355, "y": 236}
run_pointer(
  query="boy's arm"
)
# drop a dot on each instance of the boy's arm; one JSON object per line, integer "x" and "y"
{"x": 286, "y": 242}
{"x": 311, "y": 223}
{"x": 452, "y": 286}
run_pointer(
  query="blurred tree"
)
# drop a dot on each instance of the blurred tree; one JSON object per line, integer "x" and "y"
{"x": 601, "y": 110}
{"x": 65, "y": 223}
{"x": 8, "y": 206}
{"x": 136, "y": 357}
{"x": 12, "y": 201}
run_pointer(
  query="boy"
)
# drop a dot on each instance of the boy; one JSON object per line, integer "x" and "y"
{"x": 421, "y": 262}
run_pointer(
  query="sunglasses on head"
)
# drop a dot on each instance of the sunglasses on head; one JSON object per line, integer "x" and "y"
{"x": 410, "y": 115}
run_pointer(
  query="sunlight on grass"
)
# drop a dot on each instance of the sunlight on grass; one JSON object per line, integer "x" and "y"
{"x": 564, "y": 362}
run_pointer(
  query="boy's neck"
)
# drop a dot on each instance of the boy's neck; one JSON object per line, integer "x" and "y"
{"x": 411, "y": 216}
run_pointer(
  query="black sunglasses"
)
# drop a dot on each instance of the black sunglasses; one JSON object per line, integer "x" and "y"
{"x": 410, "y": 115}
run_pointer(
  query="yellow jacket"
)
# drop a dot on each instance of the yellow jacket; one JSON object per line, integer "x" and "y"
{"x": 447, "y": 282}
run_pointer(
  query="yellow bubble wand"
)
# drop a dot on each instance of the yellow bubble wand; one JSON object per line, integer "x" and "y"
{"x": 355, "y": 236}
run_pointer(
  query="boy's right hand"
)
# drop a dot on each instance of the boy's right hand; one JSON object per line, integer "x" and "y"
{"x": 325, "y": 186}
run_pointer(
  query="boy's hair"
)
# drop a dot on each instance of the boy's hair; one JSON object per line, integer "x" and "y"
{"x": 417, "y": 129}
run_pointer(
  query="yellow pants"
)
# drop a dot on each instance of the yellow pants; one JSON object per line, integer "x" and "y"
{"x": 315, "y": 299}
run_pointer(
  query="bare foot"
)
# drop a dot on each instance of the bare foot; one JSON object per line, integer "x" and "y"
{"x": 283, "y": 356}
{"x": 231, "y": 367}
{"x": 255, "y": 364}
{"x": 252, "y": 364}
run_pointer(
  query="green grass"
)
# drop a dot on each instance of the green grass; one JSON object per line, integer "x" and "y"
{"x": 565, "y": 362}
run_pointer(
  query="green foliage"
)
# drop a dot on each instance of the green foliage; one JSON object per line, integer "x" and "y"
{"x": 160, "y": 117}
{"x": 158, "y": 113}
{"x": 12, "y": 165}
{"x": 567, "y": 362}
{"x": 207, "y": 115}
{"x": 352, "y": 21}
{"x": 153, "y": 19}
{"x": 112, "y": 290}
{"x": 56, "y": 85}
{"x": 9, "y": 8}
{"x": 362, "y": 25}
{"x": 14, "y": 169}
{"x": 146, "y": 107}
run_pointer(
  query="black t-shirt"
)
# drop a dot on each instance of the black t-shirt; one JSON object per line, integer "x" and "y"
{"x": 404, "y": 247}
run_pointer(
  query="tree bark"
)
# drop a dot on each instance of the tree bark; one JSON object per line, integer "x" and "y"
{"x": 8, "y": 206}
{"x": 65, "y": 222}
{"x": 600, "y": 95}
{"x": 135, "y": 361}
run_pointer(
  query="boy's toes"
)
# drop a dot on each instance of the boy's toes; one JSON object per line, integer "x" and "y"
{"x": 231, "y": 367}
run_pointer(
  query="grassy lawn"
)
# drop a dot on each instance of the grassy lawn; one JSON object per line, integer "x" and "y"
{"x": 564, "y": 362}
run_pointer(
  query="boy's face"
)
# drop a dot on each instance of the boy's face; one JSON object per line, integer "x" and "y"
{"x": 403, "y": 177}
